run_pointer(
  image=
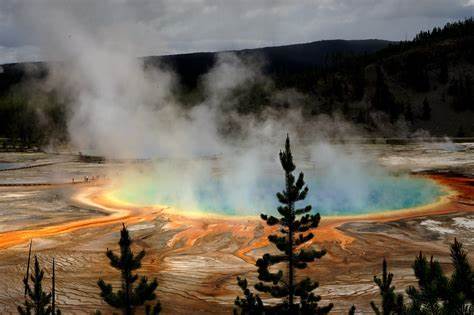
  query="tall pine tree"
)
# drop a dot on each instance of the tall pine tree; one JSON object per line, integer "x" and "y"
{"x": 392, "y": 303}
{"x": 37, "y": 301}
{"x": 54, "y": 309}
{"x": 129, "y": 297}
{"x": 462, "y": 279}
{"x": 295, "y": 225}
{"x": 436, "y": 293}
{"x": 426, "y": 110}
{"x": 432, "y": 286}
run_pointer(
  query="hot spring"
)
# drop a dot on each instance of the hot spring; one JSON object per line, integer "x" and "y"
{"x": 205, "y": 188}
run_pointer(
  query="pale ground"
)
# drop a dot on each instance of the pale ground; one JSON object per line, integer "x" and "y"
{"x": 196, "y": 261}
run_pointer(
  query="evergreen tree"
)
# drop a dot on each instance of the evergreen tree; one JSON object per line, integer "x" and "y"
{"x": 443, "y": 72}
{"x": 345, "y": 109}
{"x": 432, "y": 286}
{"x": 461, "y": 89}
{"x": 358, "y": 82}
{"x": 383, "y": 99}
{"x": 54, "y": 310}
{"x": 426, "y": 110}
{"x": 295, "y": 224}
{"x": 27, "y": 273}
{"x": 37, "y": 301}
{"x": 129, "y": 297}
{"x": 460, "y": 133}
{"x": 392, "y": 303}
{"x": 361, "y": 117}
{"x": 462, "y": 279}
{"x": 409, "y": 113}
{"x": 436, "y": 293}
{"x": 26, "y": 307}
{"x": 415, "y": 71}
{"x": 251, "y": 304}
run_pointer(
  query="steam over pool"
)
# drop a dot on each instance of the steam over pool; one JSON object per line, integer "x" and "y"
{"x": 211, "y": 190}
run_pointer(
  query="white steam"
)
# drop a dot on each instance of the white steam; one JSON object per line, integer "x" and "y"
{"x": 121, "y": 109}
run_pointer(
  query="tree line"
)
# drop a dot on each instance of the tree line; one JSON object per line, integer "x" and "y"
{"x": 279, "y": 274}
{"x": 30, "y": 116}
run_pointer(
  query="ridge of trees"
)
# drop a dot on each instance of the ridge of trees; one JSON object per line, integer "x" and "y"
{"x": 30, "y": 117}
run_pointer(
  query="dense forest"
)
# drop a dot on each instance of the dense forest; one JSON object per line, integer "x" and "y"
{"x": 422, "y": 87}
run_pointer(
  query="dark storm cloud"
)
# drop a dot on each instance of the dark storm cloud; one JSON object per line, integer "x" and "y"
{"x": 170, "y": 26}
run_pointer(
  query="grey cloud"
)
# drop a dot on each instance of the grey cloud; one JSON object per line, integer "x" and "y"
{"x": 19, "y": 54}
{"x": 168, "y": 26}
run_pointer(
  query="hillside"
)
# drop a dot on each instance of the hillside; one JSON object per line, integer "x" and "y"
{"x": 189, "y": 67}
{"x": 289, "y": 58}
{"x": 431, "y": 86}
{"x": 422, "y": 87}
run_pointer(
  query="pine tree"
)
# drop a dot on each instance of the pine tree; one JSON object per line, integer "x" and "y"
{"x": 461, "y": 283}
{"x": 435, "y": 293}
{"x": 438, "y": 294}
{"x": 426, "y": 110}
{"x": 443, "y": 71}
{"x": 409, "y": 113}
{"x": 251, "y": 304}
{"x": 460, "y": 89}
{"x": 129, "y": 297}
{"x": 37, "y": 301}
{"x": 54, "y": 310}
{"x": 345, "y": 109}
{"x": 392, "y": 303}
{"x": 26, "y": 309}
{"x": 361, "y": 117}
{"x": 27, "y": 273}
{"x": 462, "y": 279}
{"x": 460, "y": 133}
{"x": 383, "y": 99}
{"x": 415, "y": 71}
{"x": 432, "y": 286}
{"x": 295, "y": 224}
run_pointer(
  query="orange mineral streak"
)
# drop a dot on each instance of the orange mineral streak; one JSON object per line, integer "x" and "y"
{"x": 249, "y": 233}
{"x": 87, "y": 196}
{"x": 194, "y": 229}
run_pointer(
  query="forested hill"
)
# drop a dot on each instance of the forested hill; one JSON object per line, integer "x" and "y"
{"x": 189, "y": 67}
{"x": 279, "y": 59}
{"x": 423, "y": 87}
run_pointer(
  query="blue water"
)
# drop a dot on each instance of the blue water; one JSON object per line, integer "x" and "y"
{"x": 8, "y": 166}
{"x": 328, "y": 196}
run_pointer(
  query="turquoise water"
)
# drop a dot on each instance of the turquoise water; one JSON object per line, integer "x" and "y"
{"x": 328, "y": 196}
{"x": 8, "y": 166}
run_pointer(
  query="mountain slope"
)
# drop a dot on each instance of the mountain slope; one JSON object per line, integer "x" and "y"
{"x": 423, "y": 87}
{"x": 288, "y": 58}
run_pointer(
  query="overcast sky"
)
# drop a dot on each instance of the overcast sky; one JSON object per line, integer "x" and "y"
{"x": 157, "y": 27}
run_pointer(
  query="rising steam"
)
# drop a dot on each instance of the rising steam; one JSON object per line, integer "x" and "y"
{"x": 122, "y": 109}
